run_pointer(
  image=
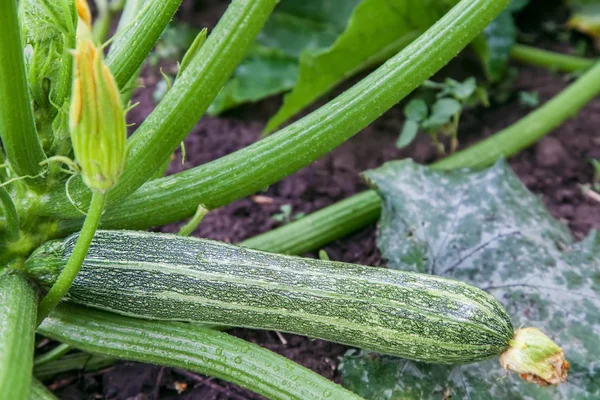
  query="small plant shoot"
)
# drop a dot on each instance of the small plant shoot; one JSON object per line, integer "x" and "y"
{"x": 474, "y": 290}
{"x": 438, "y": 114}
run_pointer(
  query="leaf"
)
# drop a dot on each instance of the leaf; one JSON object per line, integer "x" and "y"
{"x": 271, "y": 67}
{"x": 446, "y": 107}
{"x": 416, "y": 110}
{"x": 486, "y": 229}
{"x": 408, "y": 134}
{"x": 494, "y": 45}
{"x": 529, "y": 99}
{"x": 377, "y": 30}
{"x": 46, "y": 26}
{"x": 441, "y": 113}
{"x": 46, "y": 19}
{"x": 459, "y": 90}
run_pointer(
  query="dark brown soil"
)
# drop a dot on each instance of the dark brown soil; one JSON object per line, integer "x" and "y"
{"x": 554, "y": 168}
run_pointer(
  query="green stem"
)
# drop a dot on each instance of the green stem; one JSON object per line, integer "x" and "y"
{"x": 350, "y": 215}
{"x": 531, "y": 128}
{"x": 321, "y": 227}
{"x": 273, "y": 158}
{"x": 66, "y": 277}
{"x": 129, "y": 50}
{"x": 17, "y": 126}
{"x": 40, "y": 392}
{"x": 193, "y": 223}
{"x": 52, "y": 355}
{"x": 130, "y": 12}
{"x": 190, "y": 347}
{"x": 10, "y": 215}
{"x": 73, "y": 362}
{"x": 549, "y": 59}
{"x": 17, "y": 332}
{"x": 162, "y": 132}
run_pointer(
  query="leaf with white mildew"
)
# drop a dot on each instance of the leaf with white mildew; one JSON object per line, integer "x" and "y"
{"x": 486, "y": 229}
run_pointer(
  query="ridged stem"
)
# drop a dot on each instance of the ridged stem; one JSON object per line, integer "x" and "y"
{"x": 18, "y": 303}
{"x": 190, "y": 347}
{"x": 271, "y": 159}
{"x": 315, "y": 230}
{"x": 130, "y": 12}
{"x": 129, "y": 50}
{"x": 549, "y": 59}
{"x": 17, "y": 127}
{"x": 343, "y": 218}
{"x": 66, "y": 277}
{"x": 162, "y": 132}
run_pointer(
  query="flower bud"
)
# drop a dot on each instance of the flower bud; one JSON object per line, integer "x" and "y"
{"x": 536, "y": 358}
{"x": 83, "y": 11}
{"x": 96, "y": 119}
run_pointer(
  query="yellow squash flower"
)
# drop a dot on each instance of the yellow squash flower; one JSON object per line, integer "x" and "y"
{"x": 96, "y": 119}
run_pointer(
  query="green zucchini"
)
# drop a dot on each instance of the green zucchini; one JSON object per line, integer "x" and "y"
{"x": 160, "y": 276}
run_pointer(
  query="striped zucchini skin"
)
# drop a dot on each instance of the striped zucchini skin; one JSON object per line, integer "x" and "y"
{"x": 160, "y": 276}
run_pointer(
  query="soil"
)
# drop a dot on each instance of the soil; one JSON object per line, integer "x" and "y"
{"x": 555, "y": 168}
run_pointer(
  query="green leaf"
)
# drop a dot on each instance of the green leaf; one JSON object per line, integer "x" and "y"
{"x": 459, "y": 90}
{"x": 486, "y": 229}
{"x": 442, "y": 112}
{"x": 377, "y": 30}
{"x": 408, "y": 134}
{"x": 416, "y": 110}
{"x": 494, "y": 45}
{"x": 46, "y": 19}
{"x": 48, "y": 26}
{"x": 529, "y": 99}
{"x": 271, "y": 67}
{"x": 446, "y": 107}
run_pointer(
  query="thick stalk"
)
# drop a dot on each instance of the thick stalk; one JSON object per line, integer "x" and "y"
{"x": 66, "y": 277}
{"x": 343, "y": 218}
{"x": 40, "y": 392}
{"x": 17, "y": 332}
{"x": 191, "y": 347}
{"x": 130, "y": 48}
{"x": 271, "y": 159}
{"x": 17, "y": 126}
{"x": 162, "y": 132}
{"x": 549, "y": 59}
{"x": 321, "y": 227}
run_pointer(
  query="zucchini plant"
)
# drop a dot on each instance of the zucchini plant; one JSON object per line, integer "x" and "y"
{"x": 68, "y": 169}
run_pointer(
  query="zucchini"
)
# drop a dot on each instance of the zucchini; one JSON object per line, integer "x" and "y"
{"x": 160, "y": 276}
